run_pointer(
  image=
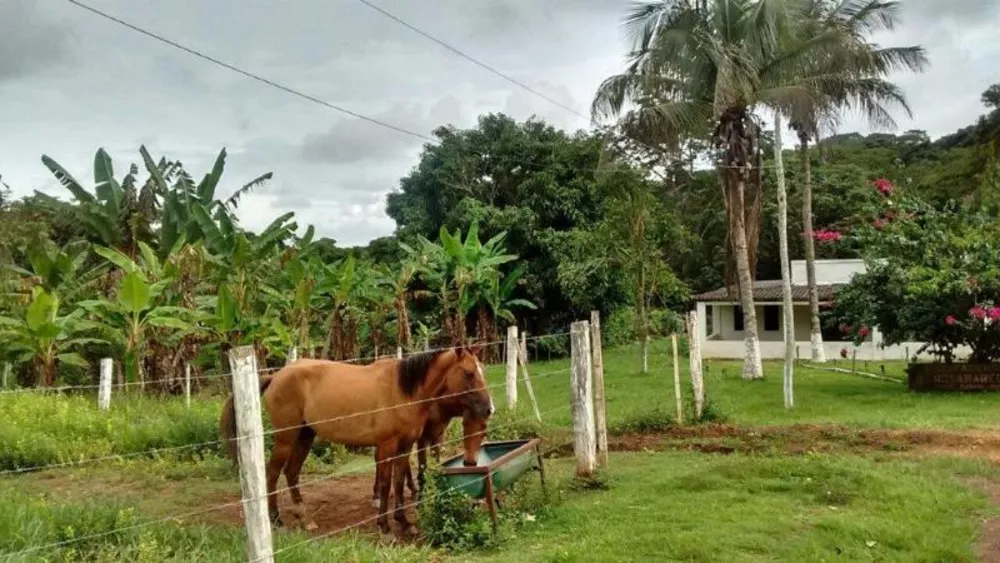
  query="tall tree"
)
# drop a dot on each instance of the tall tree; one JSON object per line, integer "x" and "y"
{"x": 786, "y": 275}
{"x": 700, "y": 70}
{"x": 860, "y": 67}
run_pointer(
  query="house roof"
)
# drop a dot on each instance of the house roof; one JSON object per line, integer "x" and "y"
{"x": 770, "y": 290}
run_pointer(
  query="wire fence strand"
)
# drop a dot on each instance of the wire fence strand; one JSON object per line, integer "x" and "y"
{"x": 154, "y": 451}
{"x": 206, "y": 510}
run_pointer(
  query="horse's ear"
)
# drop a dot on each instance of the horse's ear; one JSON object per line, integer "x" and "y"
{"x": 475, "y": 350}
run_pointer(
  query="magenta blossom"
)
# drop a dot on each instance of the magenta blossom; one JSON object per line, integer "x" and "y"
{"x": 824, "y": 235}
{"x": 977, "y": 312}
{"x": 863, "y": 332}
{"x": 994, "y": 313}
{"x": 843, "y": 352}
{"x": 884, "y": 186}
{"x": 950, "y": 320}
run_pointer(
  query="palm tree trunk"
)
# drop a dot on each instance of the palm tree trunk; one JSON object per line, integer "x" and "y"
{"x": 786, "y": 277}
{"x": 738, "y": 133}
{"x": 752, "y": 368}
{"x": 815, "y": 330}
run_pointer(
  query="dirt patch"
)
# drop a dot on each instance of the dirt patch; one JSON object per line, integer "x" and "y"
{"x": 802, "y": 439}
{"x": 329, "y": 507}
{"x": 988, "y": 547}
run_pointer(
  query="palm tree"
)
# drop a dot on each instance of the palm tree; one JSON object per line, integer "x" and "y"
{"x": 700, "y": 71}
{"x": 860, "y": 67}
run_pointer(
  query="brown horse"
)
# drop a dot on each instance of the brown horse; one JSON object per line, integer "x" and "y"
{"x": 438, "y": 419}
{"x": 385, "y": 404}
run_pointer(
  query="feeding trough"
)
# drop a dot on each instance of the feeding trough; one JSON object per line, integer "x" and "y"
{"x": 498, "y": 466}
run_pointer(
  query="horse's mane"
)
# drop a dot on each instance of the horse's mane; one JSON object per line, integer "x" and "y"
{"x": 412, "y": 371}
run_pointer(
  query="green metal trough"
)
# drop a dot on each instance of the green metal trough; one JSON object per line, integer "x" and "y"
{"x": 498, "y": 466}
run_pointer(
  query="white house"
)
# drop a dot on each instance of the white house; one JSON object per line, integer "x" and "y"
{"x": 720, "y": 318}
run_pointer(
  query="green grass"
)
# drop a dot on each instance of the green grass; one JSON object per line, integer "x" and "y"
{"x": 680, "y": 506}
{"x": 691, "y": 507}
{"x": 41, "y": 429}
{"x": 660, "y": 506}
{"x": 821, "y": 397}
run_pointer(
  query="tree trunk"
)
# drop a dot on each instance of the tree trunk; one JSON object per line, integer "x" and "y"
{"x": 786, "y": 275}
{"x": 752, "y": 368}
{"x": 815, "y": 330}
{"x": 643, "y": 324}
{"x": 738, "y": 133}
{"x": 645, "y": 354}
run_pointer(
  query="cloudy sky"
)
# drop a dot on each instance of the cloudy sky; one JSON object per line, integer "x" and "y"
{"x": 71, "y": 82}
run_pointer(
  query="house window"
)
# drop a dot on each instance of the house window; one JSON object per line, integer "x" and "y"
{"x": 771, "y": 318}
{"x": 738, "y": 318}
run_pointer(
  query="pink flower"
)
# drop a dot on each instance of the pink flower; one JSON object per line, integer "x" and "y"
{"x": 884, "y": 186}
{"x": 994, "y": 313}
{"x": 863, "y": 332}
{"x": 950, "y": 320}
{"x": 824, "y": 235}
{"x": 843, "y": 352}
{"x": 977, "y": 312}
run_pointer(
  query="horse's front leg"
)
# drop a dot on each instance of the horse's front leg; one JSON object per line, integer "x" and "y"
{"x": 383, "y": 480}
{"x": 402, "y": 468}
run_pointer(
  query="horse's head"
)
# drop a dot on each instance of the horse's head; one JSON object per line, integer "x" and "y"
{"x": 465, "y": 382}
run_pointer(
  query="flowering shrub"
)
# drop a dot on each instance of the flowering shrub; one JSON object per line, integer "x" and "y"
{"x": 933, "y": 276}
{"x": 884, "y": 186}
{"x": 823, "y": 235}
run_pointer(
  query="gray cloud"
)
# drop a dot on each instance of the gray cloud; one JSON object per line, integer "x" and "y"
{"x": 333, "y": 171}
{"x": 352, "y": 140}
{"x": 29, "y": 41}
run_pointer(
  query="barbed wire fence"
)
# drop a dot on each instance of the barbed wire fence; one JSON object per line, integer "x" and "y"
{"x": 254, "y": 497}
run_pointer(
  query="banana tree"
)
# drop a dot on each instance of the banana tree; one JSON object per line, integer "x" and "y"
{"x": 129, "y": 319}
{"x": 498, "y": 296}
{"x": 180, "y": 201}
{"x": 58, "y": 270}
{"x": 116, "y": 214}
{"x": 399, "y": 281}
{"x": 43, "y": 338}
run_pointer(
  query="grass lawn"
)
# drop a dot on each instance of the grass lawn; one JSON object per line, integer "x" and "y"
{"x": 660, "y": 506}
{"x": 821, "y": 397}
{"x": 664, "y": 505}
{"x": 693, "y": 507}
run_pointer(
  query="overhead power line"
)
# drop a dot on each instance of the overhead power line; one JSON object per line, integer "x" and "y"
{"x": 470, "y": 58}
{"x": 249, "y": 74}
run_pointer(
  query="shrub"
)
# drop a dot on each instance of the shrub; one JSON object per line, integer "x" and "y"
{"x": 449, "y": 519}
{"x": 932, "y": 277}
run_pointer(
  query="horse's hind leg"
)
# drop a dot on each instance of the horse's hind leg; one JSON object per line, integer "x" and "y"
{"x": 284, "y": 445}
{"x": 298, "y": 458}
{"x": 384, "y": 479}
{"x": 402, "y": 468}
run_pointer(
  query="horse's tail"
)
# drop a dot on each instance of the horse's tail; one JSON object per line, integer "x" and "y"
{"x": 227, "y": 422}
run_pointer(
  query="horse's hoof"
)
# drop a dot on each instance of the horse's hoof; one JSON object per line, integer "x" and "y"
{"x": 411, "y": 531}
{"x": 277, "y": 522}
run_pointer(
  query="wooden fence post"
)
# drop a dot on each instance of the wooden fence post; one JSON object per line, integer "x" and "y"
{"x": 512, "y": 354}
{"x": 600, "y": 414}
{"x": 104, "y": 389}
{"x": 250, "y": 432}
{"x": 694, "y": 357}
{"x": 584, "y": 432}
{"x": 6, "y": 375}
{"x": 677, "y": 380}
{"x": 293, "y": 355}
{"x": 187, "y": 385}
{"x": 399, "y": 352}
